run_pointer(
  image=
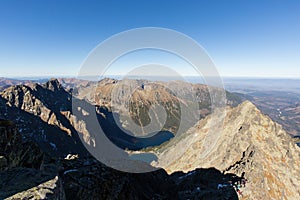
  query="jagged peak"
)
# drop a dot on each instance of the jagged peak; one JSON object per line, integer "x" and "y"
{"x": 246, "y": 107}
{"x": 247, "y": 104}
{"x": 53, "y": 84}
{"x": 108, "y": 81}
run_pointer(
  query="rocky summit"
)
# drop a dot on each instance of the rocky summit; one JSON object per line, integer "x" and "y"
{"x": 42, "y": 157}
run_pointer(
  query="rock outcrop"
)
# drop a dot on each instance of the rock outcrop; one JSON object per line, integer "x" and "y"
{"x": 25, "y": 172}
{"x": 16, "y": 152}
{"x": 30, "y": 185}
{"x": 89, "y": 179}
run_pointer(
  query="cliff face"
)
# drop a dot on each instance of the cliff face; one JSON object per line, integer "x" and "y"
{"x": 43, "y": 113}
{"x": 251, "y": 145}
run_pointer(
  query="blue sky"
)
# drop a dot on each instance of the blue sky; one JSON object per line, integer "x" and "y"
{"x": 244, "y": 38}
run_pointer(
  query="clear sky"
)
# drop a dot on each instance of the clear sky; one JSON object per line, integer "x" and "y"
{"x": 244, "y": 38}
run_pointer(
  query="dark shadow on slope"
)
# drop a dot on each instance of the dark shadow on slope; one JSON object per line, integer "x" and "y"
{"x": 54, "y": 97}
{"x": 50, "y": 138}
{"x": 127, "y": 141}
{"x": 21, "y": 162}
{"x": 203, "y": 184}
{"x": 18, "y": 180}
{"x": 92, "y": 180}
{"x": 96, "y": 181}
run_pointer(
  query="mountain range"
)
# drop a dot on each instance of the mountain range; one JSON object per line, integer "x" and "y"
{"x": 41, "y": 138}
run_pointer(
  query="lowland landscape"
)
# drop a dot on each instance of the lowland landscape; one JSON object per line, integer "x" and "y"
{"x": 42, "y": 155}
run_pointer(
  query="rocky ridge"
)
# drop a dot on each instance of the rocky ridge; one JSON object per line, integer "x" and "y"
{"x": 43, "y": 113}
{"x": 36, "y": 107}
{"x": 251, "y": 145}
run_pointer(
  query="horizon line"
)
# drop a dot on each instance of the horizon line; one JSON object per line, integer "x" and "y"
{"x": 108, "y": 76}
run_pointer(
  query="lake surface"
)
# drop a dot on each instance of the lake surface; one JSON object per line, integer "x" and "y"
{"x": 145, "y": 157}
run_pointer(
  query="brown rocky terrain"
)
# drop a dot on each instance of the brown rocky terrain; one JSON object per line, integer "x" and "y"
{"x": 281, "y": 106}
{"x": 40, "y": 111}
{"x": 141, "y": 97}
{"x": 251, "y": 145}
{"x": 277, "y": 98}
{"x": 38, "y": 106}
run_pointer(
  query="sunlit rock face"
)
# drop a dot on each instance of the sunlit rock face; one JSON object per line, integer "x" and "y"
{"x": 251, "y": 145}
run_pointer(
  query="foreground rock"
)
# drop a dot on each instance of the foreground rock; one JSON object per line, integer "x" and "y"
{"x": 42, "y": 177}
{"x": 88, "y": 179}
{"x": 25, "y": 171}
{"x": 26, "y": 183}
{"x": 16, "y": 151}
